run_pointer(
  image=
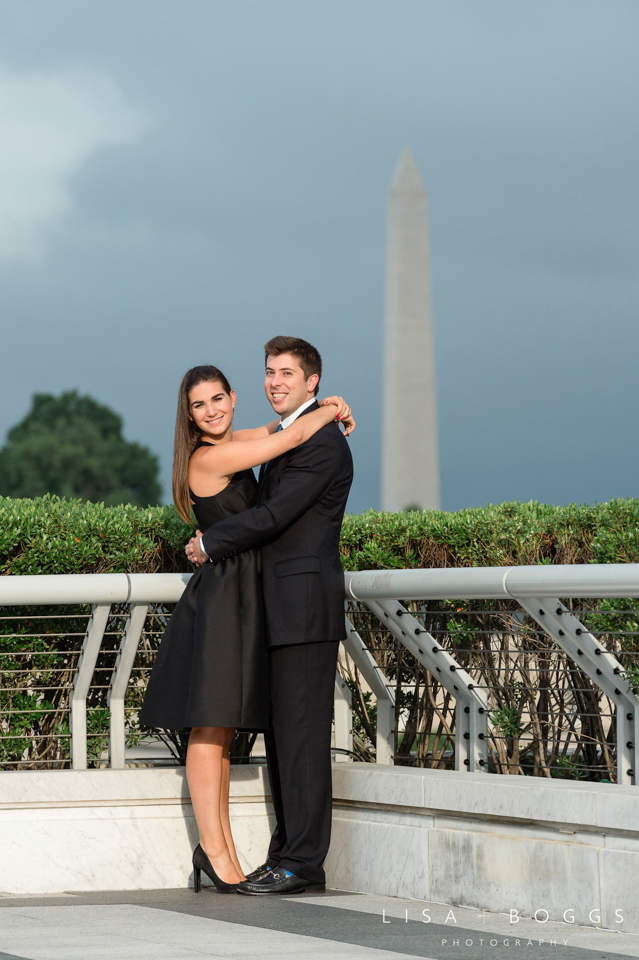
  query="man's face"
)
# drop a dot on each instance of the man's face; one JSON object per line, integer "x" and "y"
{"x": 286, "y": 386}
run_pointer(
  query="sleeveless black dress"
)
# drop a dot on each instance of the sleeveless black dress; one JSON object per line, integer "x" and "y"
{"x": 211, "y": 669}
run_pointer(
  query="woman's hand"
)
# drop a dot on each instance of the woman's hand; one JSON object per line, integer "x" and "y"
{"x": 343, "y": 413}
{"x": 194, "y": 551}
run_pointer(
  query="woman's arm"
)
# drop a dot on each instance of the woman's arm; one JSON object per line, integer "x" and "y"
{"x": 256, "y": 433}
{"x": 225, "y": 459}
{"x": 304, "y": 481}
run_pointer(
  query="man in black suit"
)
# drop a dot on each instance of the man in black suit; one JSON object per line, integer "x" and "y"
{"x": 297, "y": 523}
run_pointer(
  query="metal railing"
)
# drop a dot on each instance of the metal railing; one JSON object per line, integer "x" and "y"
{"x": 67, "y": 651}
{"x": 520, "y": 665}
{"x": 471, "y": 646}
{"x": 75, "y": 654}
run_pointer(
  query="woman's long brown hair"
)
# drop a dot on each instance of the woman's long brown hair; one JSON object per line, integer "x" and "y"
{"x": 187, "y": 434}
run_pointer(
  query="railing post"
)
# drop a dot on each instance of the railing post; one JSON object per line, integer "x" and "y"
{"x": 374, "y": 677}
{"x": 120, "y": 681}
{"x": 82, "y": 681}
{"x": 471, "y": 746}
{"x": 343, "y": 718}
{"x": 385, "y": 740}
{"x": 601, "y": 666}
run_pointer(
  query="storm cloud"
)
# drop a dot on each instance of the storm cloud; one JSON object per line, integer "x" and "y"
{"x": 181, "y": 182}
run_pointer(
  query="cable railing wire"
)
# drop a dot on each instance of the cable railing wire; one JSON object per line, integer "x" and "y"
{"x": 506, "y": 645}
{"x": 546, "y": 716}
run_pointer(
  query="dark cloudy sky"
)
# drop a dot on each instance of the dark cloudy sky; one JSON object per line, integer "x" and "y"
{"x": 180, "y": 181}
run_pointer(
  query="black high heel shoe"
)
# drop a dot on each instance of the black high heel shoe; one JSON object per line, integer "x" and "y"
{"x": 202, "y": 862}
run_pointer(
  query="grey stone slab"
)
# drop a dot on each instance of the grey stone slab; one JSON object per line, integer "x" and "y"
{"x": 528, "y": 800}
{"x": 618, "y": 809}
{"x": 516, "y": 831}
{"x": 511, "y": 798}
{"x": 478, "y": 870}
{"x": 367, "y": 783}
{"x": 315, "y": 927}
{"x": 616, "y": 896}
{"x": 628, "y": 844}
{"x": 589, "y": 937}
{"x": 364, "y": 849}
{"x": 411, "y": 938}
{"x": 136, "y": 932}
{"x": 48, "y": 787}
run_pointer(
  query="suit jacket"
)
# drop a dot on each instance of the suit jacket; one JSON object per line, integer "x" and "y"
{"x": 297, "y": 524}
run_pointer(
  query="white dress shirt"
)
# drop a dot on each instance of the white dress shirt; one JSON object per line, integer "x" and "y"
{"x": 292, "y": 417}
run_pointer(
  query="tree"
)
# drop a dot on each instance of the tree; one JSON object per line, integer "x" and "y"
{"x": 73, "y": 446}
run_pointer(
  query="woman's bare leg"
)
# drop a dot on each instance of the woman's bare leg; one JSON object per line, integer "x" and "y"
{"x": 204, "y": 772}
{"x": 224, "y": 804}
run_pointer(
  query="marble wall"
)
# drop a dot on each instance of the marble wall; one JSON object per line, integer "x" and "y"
{"x": 490, "y": 842}
{"x": 477, "y": 840}
{"x": 114, "y": 829}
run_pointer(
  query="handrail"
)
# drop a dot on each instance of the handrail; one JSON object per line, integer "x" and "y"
{"x": 467, "y": 583}
{"x": 496, "y": 583}
{"x": 67, "y": 588}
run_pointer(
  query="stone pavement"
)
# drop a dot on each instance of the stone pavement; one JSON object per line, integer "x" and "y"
{"x": 181, "y": 925}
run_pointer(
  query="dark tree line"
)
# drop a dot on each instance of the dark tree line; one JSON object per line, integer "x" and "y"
{"x": 73, "y": 446}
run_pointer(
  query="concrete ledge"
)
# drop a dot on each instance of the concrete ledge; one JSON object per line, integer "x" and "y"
{"x": 66, "y": 830}
{"x": 483, "y": 795}
{"x": 491, "y": 842}
{"x": 163, "y": 785}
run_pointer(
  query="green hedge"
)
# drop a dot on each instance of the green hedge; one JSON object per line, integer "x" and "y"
{"x": 49, "y": 535}
{"x": 510, "y": 534}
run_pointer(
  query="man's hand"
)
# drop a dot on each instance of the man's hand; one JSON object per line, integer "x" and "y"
{"x": 343, "y": 413}
{"x": 194, "y": 552}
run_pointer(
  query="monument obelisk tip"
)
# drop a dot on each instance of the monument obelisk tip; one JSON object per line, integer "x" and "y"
{"x": 406, "y": 178}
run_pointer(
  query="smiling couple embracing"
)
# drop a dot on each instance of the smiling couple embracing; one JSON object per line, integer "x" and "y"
{"x": 253, "y": 642}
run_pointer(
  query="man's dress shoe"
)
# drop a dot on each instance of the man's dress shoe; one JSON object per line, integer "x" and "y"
{"x": 275, "y": 882}
{"x": 259, "y": 873}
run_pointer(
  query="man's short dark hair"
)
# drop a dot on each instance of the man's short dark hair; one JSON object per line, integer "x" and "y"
{"x": 309, "y": 358}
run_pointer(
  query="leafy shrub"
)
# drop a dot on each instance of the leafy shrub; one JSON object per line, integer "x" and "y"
{"x": 510, "y": 534}
{"x": 40, "y": 646}
{"x": 50, "y": 535}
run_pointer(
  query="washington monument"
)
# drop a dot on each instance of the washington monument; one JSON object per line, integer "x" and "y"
{"x": 410, "y": 460}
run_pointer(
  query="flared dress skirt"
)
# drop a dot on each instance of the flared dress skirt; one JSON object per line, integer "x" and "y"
{"x": 211, "y": 668}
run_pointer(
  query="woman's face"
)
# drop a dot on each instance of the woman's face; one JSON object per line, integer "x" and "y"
{"x": 211, "y": 408}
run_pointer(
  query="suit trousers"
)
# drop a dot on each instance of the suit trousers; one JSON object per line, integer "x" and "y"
{"x": 298, "y": 752}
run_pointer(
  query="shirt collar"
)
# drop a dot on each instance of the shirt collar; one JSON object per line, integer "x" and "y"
{"x": 293, "y": 416}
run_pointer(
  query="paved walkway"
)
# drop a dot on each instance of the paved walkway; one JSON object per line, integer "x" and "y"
{"x": 181, "y": 925}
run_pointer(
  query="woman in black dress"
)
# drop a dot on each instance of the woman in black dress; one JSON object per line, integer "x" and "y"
{"x": 211, "y": 672}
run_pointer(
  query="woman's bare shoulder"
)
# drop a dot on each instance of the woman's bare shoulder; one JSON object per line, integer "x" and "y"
{"x": 204, "y": 456}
